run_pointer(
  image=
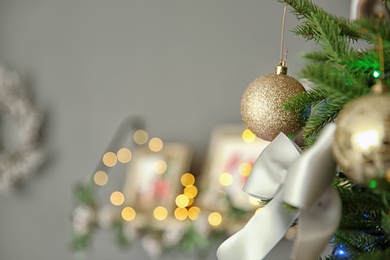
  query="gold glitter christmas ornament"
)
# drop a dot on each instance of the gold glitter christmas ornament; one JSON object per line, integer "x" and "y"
{"x": 261, "y": 105}
{"x": 368, "y": 8}
{"x": 362, "y": 140}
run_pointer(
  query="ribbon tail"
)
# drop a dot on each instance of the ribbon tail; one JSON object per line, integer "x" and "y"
{"x": 309, "y": 187}
{"x": 316, "y": 226}
{"x": 261, "y": 234}
{"x": 312, "y": 174}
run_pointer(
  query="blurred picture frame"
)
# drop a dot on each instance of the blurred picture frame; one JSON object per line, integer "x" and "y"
{"x": 153, "y": 178}
{"x": 231, "y": 154}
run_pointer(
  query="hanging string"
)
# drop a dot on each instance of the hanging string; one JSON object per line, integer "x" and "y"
{"x": 381, "y": 60}
{"x": 381, "y": 52}
{"x": 282, "y": 36}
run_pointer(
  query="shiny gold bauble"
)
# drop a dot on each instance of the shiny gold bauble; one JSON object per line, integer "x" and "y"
{"x": 362, "y": 140}
{"x": 369, "y": 9}
{"x": 261, "y": 106}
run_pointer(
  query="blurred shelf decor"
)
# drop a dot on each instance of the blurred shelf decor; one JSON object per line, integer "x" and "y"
{"x": 21, "y": 152}
{"x": 157, "y": 200}
{"x": 232, "y": 152}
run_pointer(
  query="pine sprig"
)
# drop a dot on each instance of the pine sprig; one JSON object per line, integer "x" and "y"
{"x": 377, "y": 256}
{"x": 304, "y": 9}
{"x": 386, "y": 223}
{"x": 354, "y": 242}
{"x": 363, "y": 61}
{"x": 334, "y": 45}
{"x": 373, "y": 27}
{"x": 301, "y": 101}
{"x": 362, "y": 209}
{"x": 324, "y": 115}
{"x": 316, "y": 56}
{"x": 336, "y": 80}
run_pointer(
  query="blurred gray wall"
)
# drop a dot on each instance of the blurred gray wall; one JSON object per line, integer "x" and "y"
{"x": 180, "y": 64}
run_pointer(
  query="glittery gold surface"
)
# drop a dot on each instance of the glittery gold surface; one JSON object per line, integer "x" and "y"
{"x": 362, "y": 139}
{"x": 261, "y": 106}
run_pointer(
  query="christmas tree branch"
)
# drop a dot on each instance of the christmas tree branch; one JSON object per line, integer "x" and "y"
{"x": 306, "y": 9}
{"x": 300, "y": 102}
{"x": 336, "y": 80}
{"x": 324, "y": 115}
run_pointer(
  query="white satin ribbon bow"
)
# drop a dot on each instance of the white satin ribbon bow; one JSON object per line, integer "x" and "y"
{"x": 304, "y": 182}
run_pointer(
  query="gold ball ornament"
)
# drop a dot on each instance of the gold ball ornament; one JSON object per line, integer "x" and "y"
{"x": 261, "y": 105}
{"x": 368, "y": 8}
{"x": 361, "y": 144}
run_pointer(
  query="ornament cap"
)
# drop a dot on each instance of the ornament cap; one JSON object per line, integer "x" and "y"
{"x": 281, "y": 68}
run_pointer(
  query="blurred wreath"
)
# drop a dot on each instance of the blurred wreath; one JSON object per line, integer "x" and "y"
{"x": 20, "y": 125}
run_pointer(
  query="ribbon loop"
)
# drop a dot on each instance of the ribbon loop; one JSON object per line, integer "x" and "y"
{"x": 261, "y": 234}
{"x": 265, "y": 229}
{"x": 308, "y": 186}
{"x": 270, "y": 168}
